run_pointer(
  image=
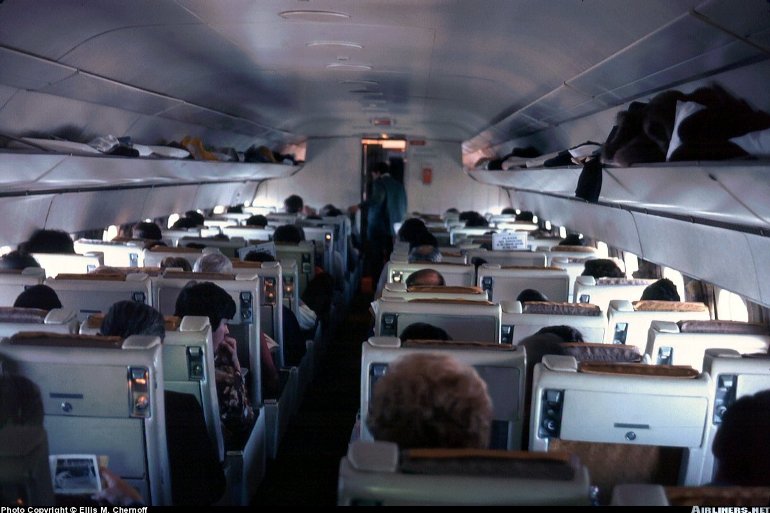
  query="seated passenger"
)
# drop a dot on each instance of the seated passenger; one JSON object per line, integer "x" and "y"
{"x": 48, "y": 241}
{"x": 288, "y": 234}
{"x": 741, "y": 446}
{"x": 146, "y": 230}
{"x": 525, "y": 215}
{"x": 602, "y": 268}
{"x": 662, "y": 290}
{"x": 256, "y": 220}
{"x": 431, "y": 400}
{"x": 565, "y": 333}
{"x": 572, "y": 239}
{"x": 38, "y": 296}
{"x": 528, "y": 295}
{"x": 196, "y": 474}
{"x": 508, "y": 211}
{"x": 293, "y": 204}
{"x": 210, "y": 300}
{"x": 410, "y": 230}
{"x": 426, "y": 277}
{"x": 195, "y": 216}
{"x": 183, "y": 223}
{"x": 17, "y": 260}
{"x": 423, "y": 331}
{"x": 213, "y": 263}
{"x": 176, "y": 262}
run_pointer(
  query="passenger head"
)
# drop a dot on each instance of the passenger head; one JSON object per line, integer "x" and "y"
{"x": 209, "y": 300}
{"x": 423, "y": 331}
{"x": 662, "y": 290}
{"x": 213, "y": 263}
{"x": 235, "y": 209}
{"x": 288, "y": 234}
{"x": 741, "y": 446}
{"x": 602, "y": 268}
{"x": 20, "y": 402}
{"x": 48, "y": 241}
{"x": 177, "y": 262}
{"x": 565, "y": 333}
{"x": 423, "y": 238}
{"x": 38, "y": 296}
{"x": 425, "y": 253}
{"x": 256, "y": 220}
{"x": 195, "y": 216}
{"x": 525, "y": 215}
{"x": 572, "y": 239}
{"x": 431, "y": 400}
{"x": 508, "y": 211}
{"x": 183, "y": 223}
{"x": 258, "y": 256}
{"x": 425, "y": 277}
{"x": 126, "y": 318}
{"x": 293, "y": 204}
{"x": 528, "y": 295}
{"x": 330, "y": 210}
{"x": 145, "y": 230}
{"x": 476, "y": 222}
{"x": 410, "y": 229}
{"x": 17, "y": 260}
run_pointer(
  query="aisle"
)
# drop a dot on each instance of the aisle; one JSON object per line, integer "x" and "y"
{"x": 305, "y": 472}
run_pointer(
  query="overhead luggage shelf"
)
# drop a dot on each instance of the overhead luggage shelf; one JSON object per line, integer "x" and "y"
{"x": 709, "y": 220}
{"x": 25, "y": 173}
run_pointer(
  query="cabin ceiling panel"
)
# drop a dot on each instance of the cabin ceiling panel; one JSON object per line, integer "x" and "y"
{"x": 718, "y": 256}
{"x": 93, "y": 89}
{"x": 163, "y": 201}
{"x": 211, "y": 195}
{"x": 29, "y": 72}
{"x": 753, "y": 23}
{"x": 192, "y": 114}
{"x": 69, "y": 23}
{"x": 749, "y": 189}
{"x": 23, "y": 216}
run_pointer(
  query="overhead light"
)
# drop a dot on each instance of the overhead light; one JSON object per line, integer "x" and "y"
{"x": 309, "y": 15}
{"x": 348, "y": 67}
{"x": 346, "y": 44}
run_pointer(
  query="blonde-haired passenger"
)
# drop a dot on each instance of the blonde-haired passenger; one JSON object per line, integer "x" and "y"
{"x": 431, "y": 400}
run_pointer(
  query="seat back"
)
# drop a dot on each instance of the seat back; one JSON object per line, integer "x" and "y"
{"x": 228, "y": 247}
{"x": 14, "y": 320}
{"x": 278, "y": 219}
{"x": 508, "y": 258}
{"x": 56, "y": 263}
{"x": 25, "y": 478}
{"x": 377, "y": 473}
{"x": 602, "y": 291}
{"x": 629, "y": 321}
{"x": 87, "y": 294}
{"x": 520, "y": 321}
{"x": 573, "y": 253}
{"x": 155, "y": 255}
{"x": 322, "y": 238}
{"x": 454, "y": 274}
{"x": 462, "y": 320}
{"x": 734, "y": 376}
{"x": 244, "y": 288}
{"x": 270, "y": 310}
{"x": 506, "y": 283}
{"x": 456, "y": 235}
{"x": 612, "y": 414}
{"x": 304, "y": 256}
{"x": 116, "y": 253}
{"x": 13, "y": 282}
{"x": 501, "y": 367}
{"x": 103, "y": 396}
{"x": 249, "y": 233}
{"x": 171, "y": 237}
{"x": 400, "y": 290}
{"x": 188, "y": 365}
{"x": 686, "y": 342}
{"x": 690, "y": 496}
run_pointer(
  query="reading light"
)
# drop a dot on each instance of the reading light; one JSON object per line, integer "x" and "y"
{"x": 348, "y": 67}
{"x": 310, "y": 15}
{"x": 346, "y": 44}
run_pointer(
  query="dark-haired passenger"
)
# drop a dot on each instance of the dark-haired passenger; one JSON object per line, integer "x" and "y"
{"x": 48, "y": 241}
{"x": 424, "y": 331}
{"x": 18, "y": 261}
{"x": 662, "y": 290}
{"x": 529, "y": 295}
{"x": 38, "y": 296}
{"x": 602, "y": 268}
{"x": 425, "y": 277}
{"x": 146, "y": 230}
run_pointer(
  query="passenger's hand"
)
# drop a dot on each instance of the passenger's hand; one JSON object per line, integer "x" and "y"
{"x": 229, "y": 346}
{"x": 116, "y": 491}
{"x": 352, "y": 209}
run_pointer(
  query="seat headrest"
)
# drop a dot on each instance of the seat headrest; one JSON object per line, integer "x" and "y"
{"x": 451, "y": 301}
{"x": 573, "y": 249}
{"x": 622, "y": 281}
{"x": 557, "y": 308}
{"x": 451, "y": 344}
{"x": 668, "y": 306}
{"x": 724, "y": 327}
{"x": 715, "y": 496}
{"x": 638, "y": 369}
{"x": 532, "y": 267}
{"x": 445, "y": 289}
{"x": 553, "y": 466}
{"x": 187, "y": 275}
{"x": 106, "y": 276}
{"x": 22, "y": 315}
{"x": 169, "y": 249}
{"x": 34, "y": 338}
{"x": 588, "y": 352}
